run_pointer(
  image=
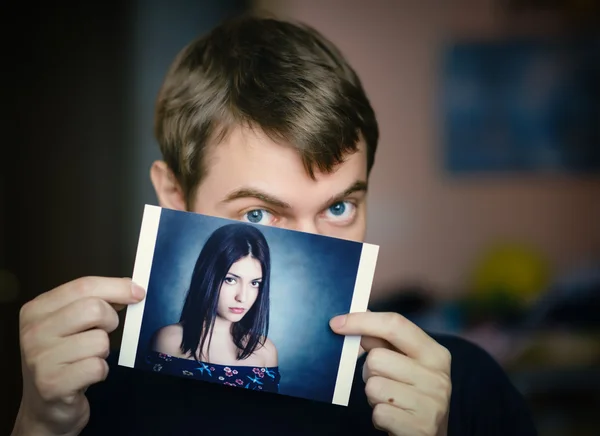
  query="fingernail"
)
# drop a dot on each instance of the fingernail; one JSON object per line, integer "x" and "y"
{"x": 137, "y": 291}
{"x": 338, "y": 322}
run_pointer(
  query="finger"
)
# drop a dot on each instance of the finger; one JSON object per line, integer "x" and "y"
{"x": 395, "y": 329}
{"x": 112, "y": 290}
{"x": 118, "y": 307}
{"x": 92, "y": 343}
{"x": 394, "y": 421}
{"x": 73, "y": 379}
{"x": 369, "y": 343}
{"x": 381, "y": 362}
{"x": 397, "y": 394}
{"x": 80, "y": 375}
{"x": 79, "y": 316}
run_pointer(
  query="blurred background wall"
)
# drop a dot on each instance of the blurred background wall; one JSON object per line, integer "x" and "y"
{"x": 507, "y": 257}
{"x": 432, "y": 226}
{"x": 77, "y": 145}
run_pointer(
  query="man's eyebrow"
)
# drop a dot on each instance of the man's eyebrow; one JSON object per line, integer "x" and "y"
{"x": 259, "y": 195}
{"x": 358, "y": 186}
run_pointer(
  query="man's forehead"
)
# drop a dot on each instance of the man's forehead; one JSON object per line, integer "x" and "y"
{"x": 249, "y": 142}
{"x": 249, "y": 162}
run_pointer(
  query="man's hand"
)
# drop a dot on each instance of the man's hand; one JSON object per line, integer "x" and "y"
{"x": 64, "y": 345}
{"x": 407, "y": 373}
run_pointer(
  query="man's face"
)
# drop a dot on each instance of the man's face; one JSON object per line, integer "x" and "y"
{"x": 250, "y": 178}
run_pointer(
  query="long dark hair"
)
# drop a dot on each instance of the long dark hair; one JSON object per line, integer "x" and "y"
{"x": 224, "y": 247}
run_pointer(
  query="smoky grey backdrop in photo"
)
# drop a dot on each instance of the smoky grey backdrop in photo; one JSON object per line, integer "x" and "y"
{"x": 312, "y": 280}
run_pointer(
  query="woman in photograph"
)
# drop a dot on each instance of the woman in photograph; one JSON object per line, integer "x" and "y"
{"x": 222, "y": 332}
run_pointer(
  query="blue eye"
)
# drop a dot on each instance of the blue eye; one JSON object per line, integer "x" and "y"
{"x": 338, "y": 209}
{"x": 258, "y": 216}
{"x": 341, "y": 211}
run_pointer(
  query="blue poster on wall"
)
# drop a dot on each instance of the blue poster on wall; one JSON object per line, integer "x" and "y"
{"x": 522, "y": 106}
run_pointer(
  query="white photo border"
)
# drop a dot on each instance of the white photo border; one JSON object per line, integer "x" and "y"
{"x": 141, "y": 275}
{"x": 360, "y": 303}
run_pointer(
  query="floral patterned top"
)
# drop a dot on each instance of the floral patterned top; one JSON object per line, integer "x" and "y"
{"x": 248, "y": 377}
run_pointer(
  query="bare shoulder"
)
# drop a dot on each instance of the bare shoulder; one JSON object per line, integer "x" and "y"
{"x": 168, "y": 339}
{"x": 268, "y": 352}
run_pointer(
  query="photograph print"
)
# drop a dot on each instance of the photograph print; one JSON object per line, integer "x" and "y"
{"x": 246, "y": 305}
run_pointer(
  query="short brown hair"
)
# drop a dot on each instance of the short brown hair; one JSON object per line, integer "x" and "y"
{"x": 283, "y": 78}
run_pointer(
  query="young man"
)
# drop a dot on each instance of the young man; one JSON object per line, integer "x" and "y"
{"x": 260, "y": 121}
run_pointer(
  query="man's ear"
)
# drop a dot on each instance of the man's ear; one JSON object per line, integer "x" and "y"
{"x": 169, "y": 193}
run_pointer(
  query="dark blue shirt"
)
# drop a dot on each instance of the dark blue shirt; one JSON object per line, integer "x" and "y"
{"x": 136, "y": 402}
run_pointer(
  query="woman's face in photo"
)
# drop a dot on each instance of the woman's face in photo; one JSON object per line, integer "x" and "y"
{"x": 239, "y": 289}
